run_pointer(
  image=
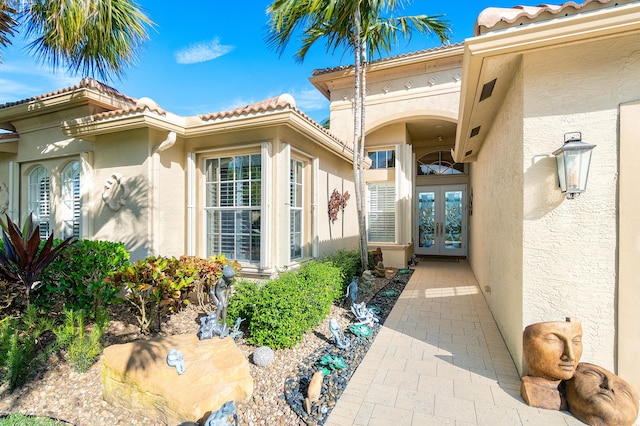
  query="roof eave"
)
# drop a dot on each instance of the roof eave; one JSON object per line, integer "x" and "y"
{"x": 320, "y": 81}
{"x": 88, "y": 127}
{"x": 289, "y": 117}
{"x": 480, "y": 51}
{"x": 60, "y": 101}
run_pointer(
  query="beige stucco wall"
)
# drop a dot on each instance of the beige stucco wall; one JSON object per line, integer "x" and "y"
{"x": 168, "y": 200}
{"x": 124, "y": 153}
{"x": 570, "y": 246}
{"x": 394, "y": 95}
{"x": 496, "y": 222}
{"x": 629, "y": 246}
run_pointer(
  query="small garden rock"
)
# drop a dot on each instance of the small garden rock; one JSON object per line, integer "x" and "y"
{"x": 263, "y": 356}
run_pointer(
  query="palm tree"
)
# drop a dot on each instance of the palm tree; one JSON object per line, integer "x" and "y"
{"x": 353, "y": 25}
{"x": 93, "y": 37}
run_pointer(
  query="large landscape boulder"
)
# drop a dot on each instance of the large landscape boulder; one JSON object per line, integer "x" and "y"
{"x": 135, "y": 376}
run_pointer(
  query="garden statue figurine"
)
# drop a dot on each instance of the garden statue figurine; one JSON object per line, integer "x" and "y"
{"x": 236, "y": 333}
{"x": 314, "y": 390}
{"x": 352, "y": 290}
{"x": 598, "y": 397}
{"x": 220, "y": 417}
{"x": 175, "y": 359}
{"x": 552, "y": 351}
{"x": 363, "y": 314}
{"x": 210, "y": 325}
{"x": 341, "y": 341}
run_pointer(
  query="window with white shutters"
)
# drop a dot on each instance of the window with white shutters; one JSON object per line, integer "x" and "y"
{"x": 381, "y": 214}
{"x": 232, "y": 206}
{"x": 295, "y": 208}
{"x": 39, "y": 196}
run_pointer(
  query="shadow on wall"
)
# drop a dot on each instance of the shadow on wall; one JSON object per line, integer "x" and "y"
{"x": 121, "y": 213}
{"x": 328, "y": 247}
{"x": 541, "y": 189}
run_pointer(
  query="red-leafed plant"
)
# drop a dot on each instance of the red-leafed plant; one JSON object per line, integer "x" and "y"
{"x": 23, "y": 260}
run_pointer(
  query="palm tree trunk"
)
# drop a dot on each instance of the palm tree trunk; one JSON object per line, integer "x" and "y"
{"x": 363, "y": 96}
{"x": 357, "y": 141}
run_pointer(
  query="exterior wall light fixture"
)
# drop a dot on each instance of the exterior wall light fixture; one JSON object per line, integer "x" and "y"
{"x": 573, "y": 160}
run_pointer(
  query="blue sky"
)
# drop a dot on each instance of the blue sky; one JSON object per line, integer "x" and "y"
{"x": 208, "y": 56}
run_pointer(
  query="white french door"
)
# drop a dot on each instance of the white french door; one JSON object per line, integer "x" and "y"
{"x": 441, "y": 223}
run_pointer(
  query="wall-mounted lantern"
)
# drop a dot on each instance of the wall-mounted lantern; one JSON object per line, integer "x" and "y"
{"x": 573, "y": 160}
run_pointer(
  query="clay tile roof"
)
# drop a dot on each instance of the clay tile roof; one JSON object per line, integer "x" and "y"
{"x": 276, "y": 103}
{"x": 494, "y": 18}
{"x": 273, "y": 104}
{"x": 85, "y": 83}
{"x": 8, "y": 135}
{"x": 141, "y": 105}
{"x": 390, "y": 58}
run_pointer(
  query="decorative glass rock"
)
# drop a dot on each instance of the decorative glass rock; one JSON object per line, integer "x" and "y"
{"x": 360, "y": 330}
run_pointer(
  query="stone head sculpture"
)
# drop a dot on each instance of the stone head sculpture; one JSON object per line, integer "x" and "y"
{"x": 600, "y": 398}
{"x": 553, "y": 349}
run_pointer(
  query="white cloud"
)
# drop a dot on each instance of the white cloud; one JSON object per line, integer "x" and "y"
{"x": 202, "y": 52}
{"x": 310, "y": 100}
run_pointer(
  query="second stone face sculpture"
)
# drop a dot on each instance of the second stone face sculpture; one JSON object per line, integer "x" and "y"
{"x": 599, "y": 397}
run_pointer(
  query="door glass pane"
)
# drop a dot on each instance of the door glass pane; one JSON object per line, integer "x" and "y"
{"x": 453, "y": 220}
{"x": 426, "y": 219}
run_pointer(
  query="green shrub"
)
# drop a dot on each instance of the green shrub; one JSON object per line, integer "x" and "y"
{"x": 157, "y": 286}
{"x": 320, "y": 285}
{"x": 244, "y": 294}
{"x": 294, "y": 303}
{"x": 278, "y": 317}
{"x": 77, "y": 276}
{"x": 349, "y": 263}
{"x": 82, "y": 350}
{"x": 17, "y": 419}
{"x": 19, "y": 345}
{"x": 205, "y": 273}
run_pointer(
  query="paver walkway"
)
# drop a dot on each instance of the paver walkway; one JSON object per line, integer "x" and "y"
{"x": 439, "y": 360}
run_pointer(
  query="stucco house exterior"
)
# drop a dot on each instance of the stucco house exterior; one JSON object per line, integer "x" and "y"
{"x": 91, "y": 162}
{"x": 489, "y": 114}
{"x": 460, "y": 139}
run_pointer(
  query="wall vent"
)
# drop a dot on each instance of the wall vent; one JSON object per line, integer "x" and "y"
{"x": 487, "y": 89}
{"x": 475, "y": 131}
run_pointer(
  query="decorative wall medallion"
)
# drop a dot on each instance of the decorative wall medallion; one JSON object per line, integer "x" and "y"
{"x": 386, "y": 88}
{"x": 409, "y": 84}
{"x": 4, "y": 198}
{"x": 432, "y": 81}
{"x": 115, "y": 192}
{"x": 457, "y": 77}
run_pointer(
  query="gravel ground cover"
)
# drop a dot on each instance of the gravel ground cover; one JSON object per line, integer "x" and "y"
{"x": 56, "y": 391}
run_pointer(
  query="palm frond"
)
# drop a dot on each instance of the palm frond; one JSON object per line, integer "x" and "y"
{"x": 7, "y": 24}
{"x": 92, "y": 37}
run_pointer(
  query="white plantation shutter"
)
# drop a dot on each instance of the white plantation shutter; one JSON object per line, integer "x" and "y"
{"x": 381, "y": 214}
{"x": 39, "y": 196}
{"x": 71, "y": 202}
